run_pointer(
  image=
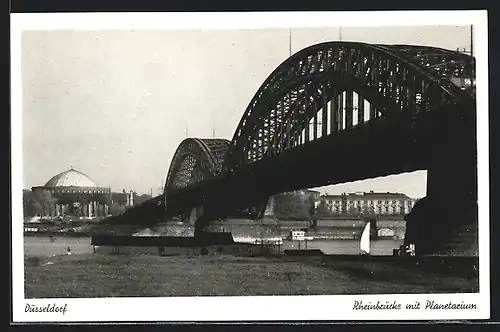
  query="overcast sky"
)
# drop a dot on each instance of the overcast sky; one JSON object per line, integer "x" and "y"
{"x": 116, "y": 104}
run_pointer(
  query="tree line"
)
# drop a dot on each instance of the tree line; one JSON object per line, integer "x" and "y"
{"x": 293, "y": 206}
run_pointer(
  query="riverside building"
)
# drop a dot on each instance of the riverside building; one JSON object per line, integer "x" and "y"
{"x": 73, "y": 193}
{"x": 369, "y": 203}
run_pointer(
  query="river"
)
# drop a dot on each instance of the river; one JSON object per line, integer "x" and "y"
{"x": 41, "y": 246}
{"x": 346, "y": 247}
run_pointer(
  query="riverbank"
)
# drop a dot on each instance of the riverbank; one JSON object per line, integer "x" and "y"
{"x": 42, "y": 246}
{"x": 324, "y": 229}
{"x": 94, "y": 275}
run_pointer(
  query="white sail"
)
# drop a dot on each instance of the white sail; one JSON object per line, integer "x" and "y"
{"x": 364, "y": 244}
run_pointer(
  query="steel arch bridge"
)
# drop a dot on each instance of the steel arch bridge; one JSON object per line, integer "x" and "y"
{"x": 323, "y": 79}
{"x": 320, "y": 116}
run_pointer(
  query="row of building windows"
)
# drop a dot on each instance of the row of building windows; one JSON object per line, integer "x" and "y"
{"x": 372, "y": 202}
{"x": 79, "y": 191}
{"x": 376, "y": 210}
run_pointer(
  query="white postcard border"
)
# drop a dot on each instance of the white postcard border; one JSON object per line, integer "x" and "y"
{"x": 325, "y": 307}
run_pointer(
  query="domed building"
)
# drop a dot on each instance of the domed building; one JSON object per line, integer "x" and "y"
{"x": 73, "y": 193}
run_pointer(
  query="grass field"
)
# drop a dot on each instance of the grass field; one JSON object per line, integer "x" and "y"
{"x": 89, "y": 275}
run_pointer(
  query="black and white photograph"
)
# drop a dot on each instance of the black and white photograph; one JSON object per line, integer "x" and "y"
{"x": 250, "y": 166}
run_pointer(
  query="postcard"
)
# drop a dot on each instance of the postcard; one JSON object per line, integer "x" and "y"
{"x": 234, "y": 167}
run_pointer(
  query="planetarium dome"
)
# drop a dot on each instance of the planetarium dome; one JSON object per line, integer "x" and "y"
{"x": 70, "y": 178}
{"x": 73, "y": 193}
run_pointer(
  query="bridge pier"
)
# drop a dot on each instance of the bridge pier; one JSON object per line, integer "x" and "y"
{"x": 269, "y": 211}
{"x": 199, "y": 227}
{"x": 193, "y": 215}
{"x": 451, "y": 199}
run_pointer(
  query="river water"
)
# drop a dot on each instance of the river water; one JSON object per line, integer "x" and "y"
{"x": 345, "y": 247}
{"x": 43, "y": 247}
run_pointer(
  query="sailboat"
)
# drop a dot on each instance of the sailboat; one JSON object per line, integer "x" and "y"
{"x": 364, "y": 244}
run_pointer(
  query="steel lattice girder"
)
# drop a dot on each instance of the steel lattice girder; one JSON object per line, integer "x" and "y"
{"x": 195, "y": 160}
{"x": 445, "y": 63}
{"x": 393, "y": 78}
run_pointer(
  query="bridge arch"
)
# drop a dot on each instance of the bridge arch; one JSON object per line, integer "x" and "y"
{"x": 336, "y": 78}
{"x": 195, "y": 160}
